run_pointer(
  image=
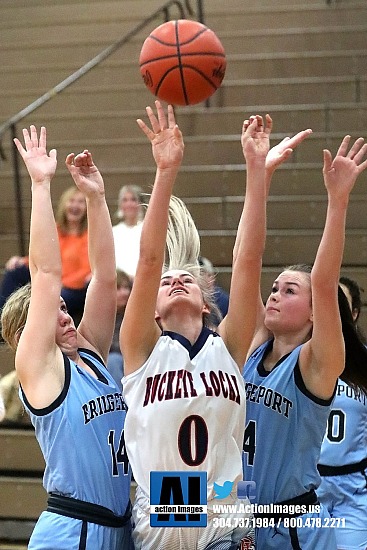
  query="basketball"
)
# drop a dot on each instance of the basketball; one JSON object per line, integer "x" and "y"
{"x": 182, "y": 62}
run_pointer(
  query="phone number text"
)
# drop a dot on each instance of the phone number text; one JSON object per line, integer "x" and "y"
{"x": 263, "y": 522}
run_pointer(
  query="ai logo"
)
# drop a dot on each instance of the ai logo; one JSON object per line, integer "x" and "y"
{"x": 178, "y": 499}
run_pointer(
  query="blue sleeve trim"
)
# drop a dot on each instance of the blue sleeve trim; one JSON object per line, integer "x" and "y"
{"x": 59, "y": 399}
{"x": 302, "y": 388}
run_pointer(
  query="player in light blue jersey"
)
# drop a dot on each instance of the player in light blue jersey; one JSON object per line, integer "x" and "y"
{"x": 343, "y": 458}
{"x": 75, "y": 406}
{"x": 296, "y": 357}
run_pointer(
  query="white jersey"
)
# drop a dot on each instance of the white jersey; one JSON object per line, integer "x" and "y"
{"x": 186, "y": 411}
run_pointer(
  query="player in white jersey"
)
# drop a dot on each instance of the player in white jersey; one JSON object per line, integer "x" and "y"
{"x": 183, "y": 387}
{"x": 75, "y": 405}
{"x": 343, "y": 457}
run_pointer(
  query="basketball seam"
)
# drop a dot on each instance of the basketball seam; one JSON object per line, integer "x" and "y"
{"x": 201, "y": 74}
{"x": 209, "y": 54}
{"x": 172, "y": 44}
{"x": 184, "y": 90}
{"x": 185, "y": 67}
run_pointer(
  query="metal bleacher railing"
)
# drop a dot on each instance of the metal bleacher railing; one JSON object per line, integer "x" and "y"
{"x": 183, "y": 9}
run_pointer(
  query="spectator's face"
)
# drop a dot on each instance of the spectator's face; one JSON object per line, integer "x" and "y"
{"x": 75, "y": 208}
{"x": 130, "y": 207}
{"x": 123, "y": 293}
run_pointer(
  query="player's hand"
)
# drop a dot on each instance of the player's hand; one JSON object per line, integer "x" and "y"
{"x": 85, "y": 173}
{"x": 165, "y": 137}
{"x": 255, "y": 138}
{"x": 40, "y": 165}
{"x": 282, "y": 151}
{"x": 340, "y": 173}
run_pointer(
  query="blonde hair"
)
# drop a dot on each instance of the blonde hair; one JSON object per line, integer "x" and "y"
{"x": 61, "y": 218}
{"x": 14, "y": 315}
{"x": 138, "y": 194}
{"x": 183, "y": 252}
{"x": 183, "y": 241}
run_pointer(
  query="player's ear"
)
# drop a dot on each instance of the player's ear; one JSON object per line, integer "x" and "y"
{"x": 158, "y": 320}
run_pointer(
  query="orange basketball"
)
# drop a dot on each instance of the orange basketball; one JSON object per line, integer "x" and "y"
{"x": 182, "y": 62}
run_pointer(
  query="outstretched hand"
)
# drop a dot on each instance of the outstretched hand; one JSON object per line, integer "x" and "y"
{"x": 255, "y": 138}
{"x": 40, "y": 165}
{"x": 282, "y": 151}
{"x": 341, "y": 173}
{"x": 85, "y": 173}
{"x": 165, "y": 137}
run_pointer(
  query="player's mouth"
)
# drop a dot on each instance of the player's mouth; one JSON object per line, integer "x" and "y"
{"x": 271, "y": 308}
{"x": 178, "y": 291}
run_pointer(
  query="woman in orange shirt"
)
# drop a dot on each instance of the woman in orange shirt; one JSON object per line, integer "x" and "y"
{"x": 71, "y": 219}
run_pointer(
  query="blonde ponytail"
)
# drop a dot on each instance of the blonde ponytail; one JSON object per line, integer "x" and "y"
{"x": 183, "y": 241}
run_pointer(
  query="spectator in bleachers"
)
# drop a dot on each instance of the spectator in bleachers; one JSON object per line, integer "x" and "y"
{"x": 71, "y": 218}
{"x": 115, "y": 362}
{"x": 127, "y": 232}
{"x": 75, "y": 405}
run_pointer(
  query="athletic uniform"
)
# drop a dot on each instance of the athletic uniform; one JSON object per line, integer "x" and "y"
{"x": 285, "y": 425}
{"x": 186, "y": 410}
{"x": 343, "y": 467}
{"x": 88, "y": 505}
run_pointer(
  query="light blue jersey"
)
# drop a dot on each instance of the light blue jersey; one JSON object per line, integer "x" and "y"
{"x": 285, "y": 425}
{"x": 345, "y": 439}
{"x": 89, "y": 412}
{"x": 343, "y": 465}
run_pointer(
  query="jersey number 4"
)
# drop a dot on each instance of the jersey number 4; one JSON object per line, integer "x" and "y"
{"x": 118, "y": 455}
{"x": 249, "y": 442}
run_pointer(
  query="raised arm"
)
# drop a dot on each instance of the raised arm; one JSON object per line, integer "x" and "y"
{"x": 38, "y": 360}
{"x": 237, "y": 328}
{"x": 275, "y": 157}
{"x": 98, "y": 321}
{"x": 322, "y": 357}
{"x": 139, "y": 330}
